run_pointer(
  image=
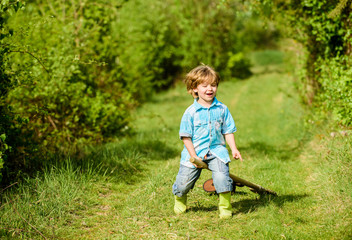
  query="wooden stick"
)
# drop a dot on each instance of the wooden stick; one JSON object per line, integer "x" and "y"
{"x": 14, "y": 207}
{"x": 254, "y": 187}
{"x": 199, "y": 163}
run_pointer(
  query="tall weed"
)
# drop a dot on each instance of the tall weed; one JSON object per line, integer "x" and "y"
{"x": 39, "y": 204}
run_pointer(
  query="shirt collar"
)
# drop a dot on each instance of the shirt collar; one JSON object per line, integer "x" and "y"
{"x": 198, "y": 106}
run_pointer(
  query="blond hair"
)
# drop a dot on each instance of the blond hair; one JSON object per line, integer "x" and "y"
{"x": 199, "y": 75}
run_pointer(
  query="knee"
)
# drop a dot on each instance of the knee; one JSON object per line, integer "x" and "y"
{"x": 181, "y": 190}
{"x": 222, "y": 183}
{"x": 221, "y": 177}
{"x": 182, "y": 185}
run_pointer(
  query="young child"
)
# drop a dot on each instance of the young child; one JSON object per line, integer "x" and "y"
{"x": 205, "y": 126}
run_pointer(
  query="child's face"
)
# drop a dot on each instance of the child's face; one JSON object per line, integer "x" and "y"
{"x": 206, "y": 92}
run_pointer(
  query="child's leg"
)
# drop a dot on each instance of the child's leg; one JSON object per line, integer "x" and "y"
{"x": 223, "y": 185}
{"x": 185, "y": 181}
{"x": 220, "y": 173}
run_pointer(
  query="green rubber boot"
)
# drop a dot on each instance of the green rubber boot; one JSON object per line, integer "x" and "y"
{"x": 180, "y": 204}
{"x": 225, "y": 207}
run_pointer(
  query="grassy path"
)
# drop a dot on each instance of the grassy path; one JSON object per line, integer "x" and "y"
{"x": 312, "y": 176}
{"x": 278, "y": 152}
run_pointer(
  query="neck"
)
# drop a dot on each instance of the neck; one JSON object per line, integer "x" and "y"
{"x": 205, "y": 104}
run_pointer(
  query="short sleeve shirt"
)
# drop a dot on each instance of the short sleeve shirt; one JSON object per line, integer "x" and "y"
{"x": 206, "y": 127}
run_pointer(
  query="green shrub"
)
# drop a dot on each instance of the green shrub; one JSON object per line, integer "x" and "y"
{"x": 210, "y": 33}
{"x": 146, "y": 46}
{"x": 324, "y": 29}
{"x": 13, "y": 144}
{"x": 336, "y": 89}
{"x": 238, "y": 66}
{"x": 154, "y": 48}
{"x": 57, "y": 81}
{"x": 68, "y": 98}
{"x": 78, "y": 68}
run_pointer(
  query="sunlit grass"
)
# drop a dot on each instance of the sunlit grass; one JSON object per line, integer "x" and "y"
{"x": 123, "y": 190}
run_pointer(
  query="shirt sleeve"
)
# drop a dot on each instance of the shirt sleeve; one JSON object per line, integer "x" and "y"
{"x": 229, "y": 124}
{"x": 186, "y": 126}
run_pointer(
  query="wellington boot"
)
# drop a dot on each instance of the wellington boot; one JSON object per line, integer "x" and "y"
{"x": 225, "y": 207}
{"x": 180, "y": 204}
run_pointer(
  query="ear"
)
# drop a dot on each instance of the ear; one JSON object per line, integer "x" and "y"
{"x": 195, "y": 90}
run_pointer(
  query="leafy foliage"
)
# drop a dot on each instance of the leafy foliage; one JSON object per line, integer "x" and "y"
{"x": 73, "y": 70}
{"x": 324, "y": 29}
{"x": 74, "y": 97}
{"x": 11, "y": 145}
{"x": 336, "y": 89}
{"x": 211, "y": 32}
{"x": 154, "y": 48}
{"x": 64, "y": 92}
{"x": 146, "y": 46}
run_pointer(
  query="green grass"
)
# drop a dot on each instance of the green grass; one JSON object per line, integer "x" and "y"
{"x": 267, "y": 61}
{"x": 123, "y": 190}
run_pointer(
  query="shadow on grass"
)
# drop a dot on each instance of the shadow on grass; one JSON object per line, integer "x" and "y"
{"x": 124, "y": 161}
{"x": 251, "y": 205}
{"x": 282, "y": 152}
{"x": 198, "y": 207}
{"x": 203, "y": 209}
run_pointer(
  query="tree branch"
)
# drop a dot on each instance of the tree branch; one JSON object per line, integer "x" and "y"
{"x": 14, "y": 207}
{"x": 40, "y": 62}
{"x": 9, "y": 186}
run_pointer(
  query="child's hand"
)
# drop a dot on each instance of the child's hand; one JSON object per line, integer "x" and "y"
{"x": 237, "y": 155}
{"x": 196, "y": 157}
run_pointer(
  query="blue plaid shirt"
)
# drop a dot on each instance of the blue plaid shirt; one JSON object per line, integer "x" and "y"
{"x": 206, "y": 127}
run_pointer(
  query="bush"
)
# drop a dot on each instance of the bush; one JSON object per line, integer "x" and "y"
{"x": 78, "y": 68}
{"x": 324, "y": 29}
{"x": 336, "y": 89}
{"x": 146, "y": 46}
{"x": 238, "y": 66}
{"x": 154, "y": 48}
{"x": 210, "y": 33}
{"x": 68, "y": 97}
{"x": 13, "y": 144}
{"x": 58, "y": 82}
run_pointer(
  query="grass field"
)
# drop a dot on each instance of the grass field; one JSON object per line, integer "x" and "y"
{"x": 123, "y": 190}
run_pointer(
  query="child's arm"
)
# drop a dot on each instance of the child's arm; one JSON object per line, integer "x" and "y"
{"x": 190, "y": 148}
{"x": 230, "y": 139}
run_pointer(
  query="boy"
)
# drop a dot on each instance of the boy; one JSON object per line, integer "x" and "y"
{"x": 205, "y": 126}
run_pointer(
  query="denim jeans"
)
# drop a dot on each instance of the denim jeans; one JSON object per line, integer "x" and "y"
{"x": 187, "y": 177}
